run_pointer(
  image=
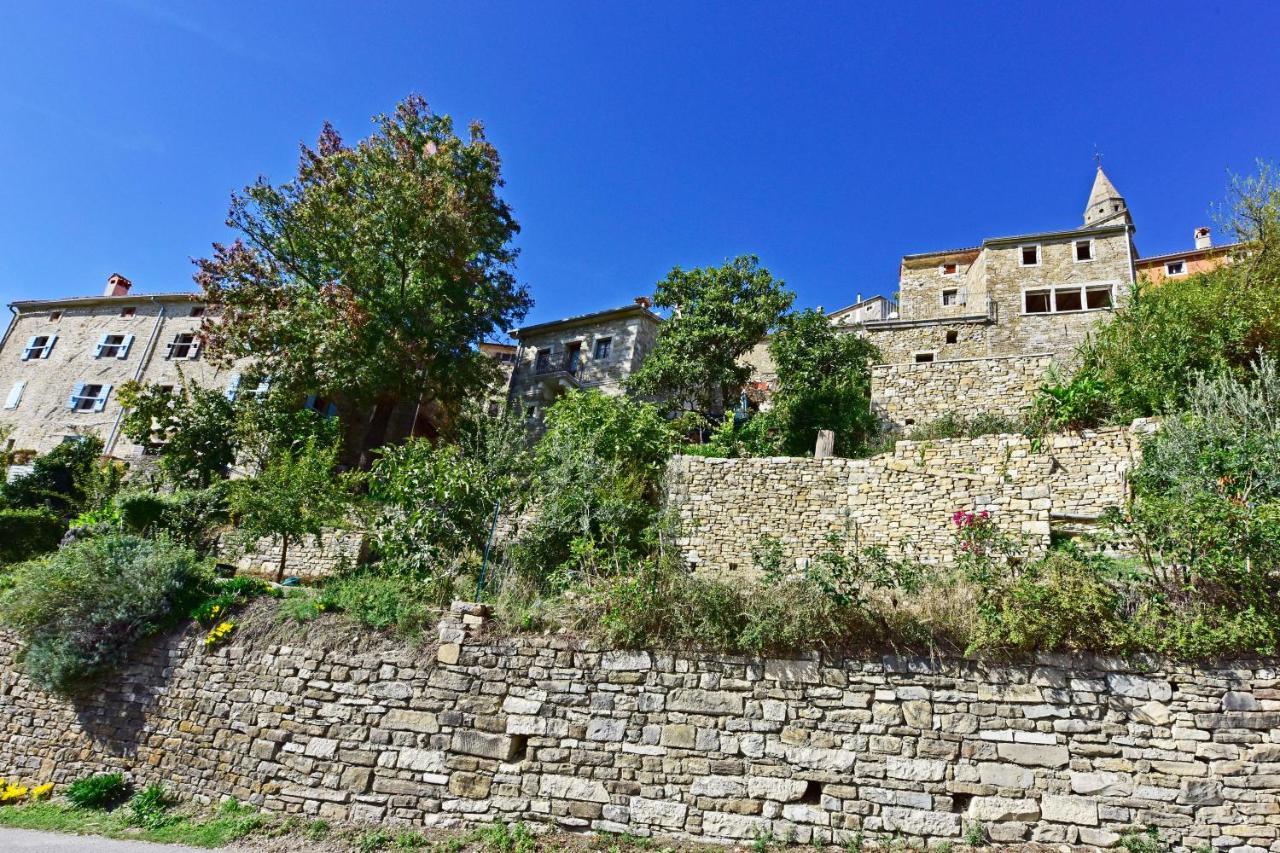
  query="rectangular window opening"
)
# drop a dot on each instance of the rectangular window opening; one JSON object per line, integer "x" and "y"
{"x": 128, "y": 312}
{"x": 1030, "y": 256}
{"x": 112, "y": 346}
{"x": 1175, "y": 268}
{"x": 184, "y": 345}
{"x": 87, "y": 399}
{"x": 55, "y": 316}
{"x": 953, "y": 336}
{"x": 951, "y": 297}
{"x": 1097, "y": 298}
{"x": 923, "y": 357}
{"x": 950, "y": 269}
{"x": 603, "y": 346}
{"x": 1068, "y": 300}
{"x": 197, "y": 311}
{"x": 1036, "y": 302}
{"x": 1084, "y": 250}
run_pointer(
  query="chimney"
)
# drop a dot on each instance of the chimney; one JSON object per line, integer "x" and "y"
{"x": 117, "y": 285}
{"x": 1204, "y": 238}
{"x": 644, "y": 301}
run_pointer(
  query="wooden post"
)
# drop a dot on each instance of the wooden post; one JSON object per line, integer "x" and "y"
{"x": 826, "y": 444}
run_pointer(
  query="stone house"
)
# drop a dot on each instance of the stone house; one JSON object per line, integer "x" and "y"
{"x": 62, "y": 362}
{"x": 1158, "y": 269}
{"x": 590, "y": 351}
{"x": 1004, "y": 310}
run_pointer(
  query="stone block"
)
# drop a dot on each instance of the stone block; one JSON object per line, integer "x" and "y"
{"x": 1077, "y": 811}
{"x": 792, "y": 671}
{"x": 572, "y": 788}
{"x": 658, "y": 813}
{"x": 399, "y": 719}
{"x": 710, "y": 702}
{"x": 999, "y": 809}
{"x": 1034, "y": 755}
{"x": 472, "y": 786}
{"x": 482, "y": 744}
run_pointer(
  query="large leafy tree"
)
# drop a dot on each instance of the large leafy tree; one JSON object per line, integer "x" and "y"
{"x": 824, "y": 382}
{"x": 370, "y": 276}
{"x": 191, "y": 428}
{"x": 719, "y": 313}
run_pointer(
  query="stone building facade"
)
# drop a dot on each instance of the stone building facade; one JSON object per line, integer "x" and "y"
{"x": 551, "y": 731}
{"x": 1010, "y": 297}
{"x": 591, "y": 351}
{"x": 901, "y": 501}
{"x": 62, "y": 362}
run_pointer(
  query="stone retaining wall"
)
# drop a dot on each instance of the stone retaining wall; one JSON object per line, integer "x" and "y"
{"x": 310, "y": 559}
{"x": 546, "y": 730}
{"x": 907, "y": 395}
{"x": 901, "y": 501}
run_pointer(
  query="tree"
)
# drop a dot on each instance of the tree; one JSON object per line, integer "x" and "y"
{"x": 824, "y": 382}
{"x": 297, "y": 494}
{"x": 62, "y": 481}
{"x": 719, "y": 314}
{"x": 372, "y": 275}
{"x": 192, "y": 427}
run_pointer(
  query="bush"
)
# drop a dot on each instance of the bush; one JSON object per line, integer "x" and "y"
{"x": 190, "y": 517}
{"x": 149, "y": 808}
{"x": 80, "y": 609}
{"x": 101, "y": 791}
{"x": 26, "y": 533}
{"x": 59, "y": 480}
{"x": 388, "y": 602}
{"x": 954, "y": 425}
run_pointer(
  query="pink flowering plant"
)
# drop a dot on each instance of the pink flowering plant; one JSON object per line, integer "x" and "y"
{"x": 985, "y": 554}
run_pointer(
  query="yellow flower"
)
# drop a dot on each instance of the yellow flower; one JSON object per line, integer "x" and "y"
{"x": 13, "y": 793}
{"x": 42, "y": 792}
{"x": 219, "y": 633}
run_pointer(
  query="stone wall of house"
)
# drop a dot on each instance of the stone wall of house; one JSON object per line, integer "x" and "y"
{"x": 906, "y": 395}
{"x": 311, "y": 559}
{"x": 551, "y": 731}
{"x": 901, "y": 501}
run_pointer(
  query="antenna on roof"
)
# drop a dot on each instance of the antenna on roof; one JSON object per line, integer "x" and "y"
{"x": 1097, "y": 155}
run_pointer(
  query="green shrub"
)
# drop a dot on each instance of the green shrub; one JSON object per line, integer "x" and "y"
{"x": 59, "y": 481}
{"x": 26, "y": 533}
{"x": 149, "y": 808}
{"x": 954, "y": 425}
{"x": 101, "y": 791}
{"x": 80, "y": 609}
{"x": 406, "y": 604}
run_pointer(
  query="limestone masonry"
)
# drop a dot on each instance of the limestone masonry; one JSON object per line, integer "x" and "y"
{"x": 1065, "y": 749}
{"x": 902, "y": 500}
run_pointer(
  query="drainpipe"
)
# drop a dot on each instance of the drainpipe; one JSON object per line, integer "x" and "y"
{"x": 13, "y": 321}
{"x": 1128, "y": 245}
{"x": 150, "y": 349}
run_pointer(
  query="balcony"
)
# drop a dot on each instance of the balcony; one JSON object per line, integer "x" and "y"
{"x": 562, "y": 370}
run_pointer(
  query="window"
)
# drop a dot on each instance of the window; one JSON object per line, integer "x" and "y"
{"x": 15, "y": 394}
{"x": 197, "y": 311}
{"x": 953, "y": 336}
{"x": 530, "y": 412}
{"x": 55, "y": 316}
{"x": 39, "y": 347}
{"x": 1084, "y": 251}
{"x": 1071, "y": 297}
{"x": 233, "y": 388}
{"x": 1097, "y": 298}
{"x": 950, "y": 269}
{"x": 88, "y": 398}
{"x": 128, "y": 312}
{"x": 506, "y": 358}
{"x": 1175, "y": 268}
{"x": 951, "y": 296}
{"x": 1030, "y": 256}
{"x": 114, "y": 346}
{"x": 1037, "y": 301}
{"x": 923, "y": 357}
{"x": 603, "y": 345}
{"x": 184, "y": 345}
{"x": 542, "y": 363}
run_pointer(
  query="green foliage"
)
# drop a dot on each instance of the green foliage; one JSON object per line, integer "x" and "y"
{"x": 1144, "y": 360}
{"x": 720, "y": 314}
{"x": 956, "y": 425}
{"x": 595, "y": 489}
{"x": 267, "y": 424}
{"x": 60, "y": 481}
{"x": 824, "y": 382}
{"x": 101, "y": 791}
{"x": 438, "y": 500}
{"x": 296, "y": 495}
{"x": 1069, "y": 404}
{"x": 373, "y": 273}
{"x": 190, "y": 517}
{"x": 149, "y": 808}
{"x": 80, "y": 609}
{"x": 758, "y": 435}
{"x": 1149, "y": 841}
{"x": 27, "y": 533}
{"x": 192, "y": 428}
{"x": 405, "y": 604}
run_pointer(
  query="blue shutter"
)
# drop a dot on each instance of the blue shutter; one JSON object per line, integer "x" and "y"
{"x": 101, "y": 402}
{"x": 26, "y": 353}
{"x": 102, "y": 342}
{"x": 15, "y": 394}
{"x": 76, "y": 391}
{"x": 124, "y": 349}
{"x": 233, "y": 386}
{"x": 48, "y": 347}
{"x": 311, "y": 402}
{"x": 331, "y": 410}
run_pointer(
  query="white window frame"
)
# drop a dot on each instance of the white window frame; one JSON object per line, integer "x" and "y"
{"x": 33, "y": 350}
{"x": 960, "y": 297}
{"x": 933, "y": 356}
{"x": 1075, "y": 256}
{"x": 1022, "y": 258}
{"x": 1170, "y": 273}
{"x": 1083, "y": 288}
{"x": 942, "y": 269}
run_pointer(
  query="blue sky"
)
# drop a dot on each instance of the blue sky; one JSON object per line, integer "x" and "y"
{"x": 828, "y": 138}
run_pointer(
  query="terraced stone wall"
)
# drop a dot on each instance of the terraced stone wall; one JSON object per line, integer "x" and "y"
{"x": 550, "y": 731}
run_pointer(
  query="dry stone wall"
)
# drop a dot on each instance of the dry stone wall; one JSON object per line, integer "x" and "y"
{"x": 901, "y": 501}
{"x": 552, "y": 731}
{"x": 309, "y": 559}
{"x": 907, "y": 395}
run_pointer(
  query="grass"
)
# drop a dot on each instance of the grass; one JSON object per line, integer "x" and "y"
{"x": 230, "y": 823}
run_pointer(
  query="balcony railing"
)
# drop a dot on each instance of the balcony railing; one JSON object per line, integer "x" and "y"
{"x": 567, "y": 365}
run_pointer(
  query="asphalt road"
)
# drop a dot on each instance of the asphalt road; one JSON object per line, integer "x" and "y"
{"x": 28, "y": 841}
